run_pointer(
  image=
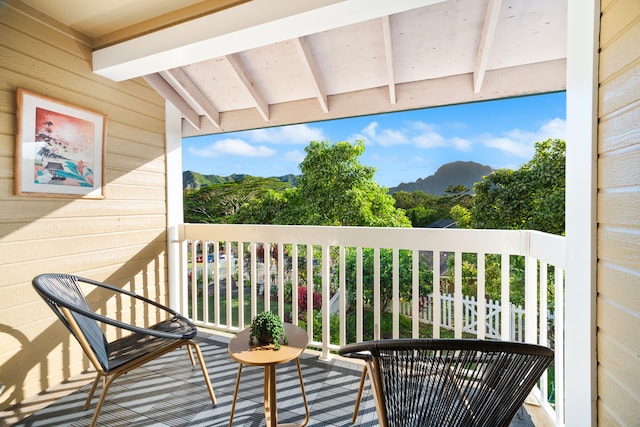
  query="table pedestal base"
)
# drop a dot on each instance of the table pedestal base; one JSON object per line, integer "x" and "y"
{"x": 270, "y": 402}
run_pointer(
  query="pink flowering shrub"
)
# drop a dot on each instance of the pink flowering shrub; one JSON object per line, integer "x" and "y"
{"x": 302, "y": 299}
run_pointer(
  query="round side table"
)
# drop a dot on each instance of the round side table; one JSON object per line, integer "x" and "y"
{"x": 265, "y": 355}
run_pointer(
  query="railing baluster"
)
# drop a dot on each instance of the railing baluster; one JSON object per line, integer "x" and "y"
{"x": 326, "y": 265}
{"x": 457, "y": 301}
{"x": 415, "y": 294}
{"x": 343, "y": 296}
{"x": 437, "y": 307}
{"x": 482, "y": 302}
{"x": 395, "y": 302}
{"x": 240, "y": 284}
{"x": 310, "y": 290}
{"x": 294, "y": 284}
{"x": 376, "y": 294}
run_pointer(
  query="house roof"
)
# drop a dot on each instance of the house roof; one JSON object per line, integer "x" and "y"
{"x": 231, "y": 65}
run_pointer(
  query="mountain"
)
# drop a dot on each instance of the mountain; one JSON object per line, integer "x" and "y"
{"x": 454, "y": 173}
{"x": 194, "y": 180}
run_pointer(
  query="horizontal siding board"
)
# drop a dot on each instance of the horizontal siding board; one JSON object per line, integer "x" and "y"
{"x": 621, "y": 52}
{"x": 619, "y": 169}
{"x": 133, "y": 192}
{"x": 39, "y": 46}
{"x": 619, "y": 209}
{"x": 7, "y": 102}
{"x": 90, "y": 94}
{"x": 136, "y": 177}
{"x": 623, "y": 286}
{"x": 37, "y": 207}
{"x": 619, "y": 358}
{"x": 618, "y": 385}
{"x": 91, "y": 245}
{"x": 136, "y": 258}
{"x": 17, "y": 15}
{"x": 126, "y": 139}
{"x": 100, "y": 247}
{"x": 620, "y": 326}
{"x": 6, "y": 168}
{"x": 156, "y": 165}
{"x": 619, "y": 130}
{"x": 617, "y": 19}
{"x": 615, "y": 404}
{"x": 621, "y": 91}
{"x": 619, "y": 248}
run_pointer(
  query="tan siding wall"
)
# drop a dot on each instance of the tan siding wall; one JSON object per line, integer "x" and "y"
{"x": 120, "y": 239}
{"x": 618, "y": 303}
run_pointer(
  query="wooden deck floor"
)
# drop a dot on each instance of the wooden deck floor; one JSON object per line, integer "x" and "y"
{"x": 170, "y": 392}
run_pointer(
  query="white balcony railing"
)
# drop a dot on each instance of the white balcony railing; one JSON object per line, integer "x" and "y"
{"x": 356, "y": 270}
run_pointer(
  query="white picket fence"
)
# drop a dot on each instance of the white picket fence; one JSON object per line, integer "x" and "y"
{"x": 470, "y": 315}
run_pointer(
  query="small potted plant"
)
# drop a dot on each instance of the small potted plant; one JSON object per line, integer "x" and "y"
{"x": 267, "y": 328}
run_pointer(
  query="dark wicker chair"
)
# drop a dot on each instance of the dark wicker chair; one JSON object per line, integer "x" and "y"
{"x": 450, "y": 382}
{"x": 111, "y": 359}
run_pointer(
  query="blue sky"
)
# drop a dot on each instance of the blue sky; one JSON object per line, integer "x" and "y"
{"x": 402, "y": 146}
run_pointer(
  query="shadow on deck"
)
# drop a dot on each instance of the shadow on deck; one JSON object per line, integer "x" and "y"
{"x": 170, "y": 392}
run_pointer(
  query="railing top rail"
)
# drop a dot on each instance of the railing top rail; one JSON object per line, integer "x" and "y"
{"x": 547, "y": 247}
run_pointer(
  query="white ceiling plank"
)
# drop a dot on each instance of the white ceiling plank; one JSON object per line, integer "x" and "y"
{"x": 178, "y": 77}
{"x": 246, "y": 26}
{"x": 307, "y": 59}
{"x": 169, "y": 93}
{"x": 388, "y": 55}
{"x": 486, "y": 40}
{"x": 542, "y": 77}
{"x": 260, "y": 102}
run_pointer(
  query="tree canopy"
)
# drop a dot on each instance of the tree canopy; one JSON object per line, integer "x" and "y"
{"x": 333, "y": 189}
{"x": 531, "y": 197}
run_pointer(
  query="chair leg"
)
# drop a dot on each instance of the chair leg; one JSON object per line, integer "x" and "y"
{"x": 103, "y": 394}
{"x": 205, "y": 374}
{"x": 93, "y": 390}
{"x": 357, "y": 406}
{"x": 193, "y": 362}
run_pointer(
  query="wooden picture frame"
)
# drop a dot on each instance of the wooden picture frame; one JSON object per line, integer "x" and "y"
{"x": 59, "y": 148}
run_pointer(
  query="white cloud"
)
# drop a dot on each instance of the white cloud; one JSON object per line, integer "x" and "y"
{"x": 384, "y": 137}
{"x": 460, "y": 144}
{"x": 390, "y": 137}
{"x": 294, "y": 134}
{"x": 428, "y": 139}
{"x": 556, "y": 128}
{"x": 420, "y": 134}
{"x": 522, "y": 143}
{"x": 370, "y": 130}
{"x": 230, "y": 146}
{"x": 295, "y": 156}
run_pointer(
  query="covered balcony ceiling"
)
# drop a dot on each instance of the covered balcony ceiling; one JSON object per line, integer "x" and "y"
{"x": 231, "y": 65}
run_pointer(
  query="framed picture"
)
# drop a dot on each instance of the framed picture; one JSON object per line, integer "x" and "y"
{"x": 59, "y": 148}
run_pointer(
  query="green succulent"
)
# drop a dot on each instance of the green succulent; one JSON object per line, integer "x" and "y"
{"x": 267, "y": 327}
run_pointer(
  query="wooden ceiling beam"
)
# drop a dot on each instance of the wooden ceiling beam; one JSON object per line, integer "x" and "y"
{"x": 388, "y": 55}
{"x": 486, "y": 40}
{"x": 306, "y": 56}
{"x": 169, "y": 93}
{"x": 258, "y": 99}
{"x": 179, "y": 78}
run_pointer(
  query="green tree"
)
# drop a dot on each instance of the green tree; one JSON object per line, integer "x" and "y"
{"x": 423, "y": 208}
{"x": 425, "y": 273}
{"x": 531, "y": 197}
{"x": 335, "y": 189}
{"x": 219, "y": 203}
